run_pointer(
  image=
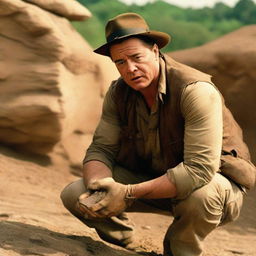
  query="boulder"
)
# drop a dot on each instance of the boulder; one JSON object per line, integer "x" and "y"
{"x": 70, "y": 9}
{"x": 231, "y": 60}
{"x": 51, "y": 82}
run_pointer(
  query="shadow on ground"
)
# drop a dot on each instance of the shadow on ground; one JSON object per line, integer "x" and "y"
{"x": 42, "y": 160}
{"x": 26, "y": 239}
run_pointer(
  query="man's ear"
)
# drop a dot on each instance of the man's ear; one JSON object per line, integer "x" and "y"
{"x": 155, "y": 49}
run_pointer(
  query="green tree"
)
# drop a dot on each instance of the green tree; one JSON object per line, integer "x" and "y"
{"x": 245, "y": 11}
{"x": 92, "y": 30}
{"x": 188, "y": 27}
{"x": 221, "y": 11}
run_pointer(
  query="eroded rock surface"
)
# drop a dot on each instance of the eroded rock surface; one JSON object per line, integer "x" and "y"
{"x": 70, "y": 9}
{"x": 51, "y": 82}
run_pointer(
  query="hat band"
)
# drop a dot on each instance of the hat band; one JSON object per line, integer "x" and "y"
{"x": 125, "y": 32}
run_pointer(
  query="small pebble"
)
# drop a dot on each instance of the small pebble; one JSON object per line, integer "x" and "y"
{"x": 146, "y": 227}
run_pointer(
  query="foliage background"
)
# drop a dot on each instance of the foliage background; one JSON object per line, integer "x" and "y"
{"x": 188, "y": 27}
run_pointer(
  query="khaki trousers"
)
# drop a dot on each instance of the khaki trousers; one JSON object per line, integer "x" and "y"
{"x": 195, "y": 217}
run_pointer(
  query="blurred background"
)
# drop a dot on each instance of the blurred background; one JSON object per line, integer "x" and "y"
{"x": 190, "y": 23}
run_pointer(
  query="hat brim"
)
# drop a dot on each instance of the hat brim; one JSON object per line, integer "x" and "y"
{"x": 160, "y": 38}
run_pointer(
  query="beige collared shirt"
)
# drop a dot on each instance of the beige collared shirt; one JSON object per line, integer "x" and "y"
{"x": 202, "y": 110}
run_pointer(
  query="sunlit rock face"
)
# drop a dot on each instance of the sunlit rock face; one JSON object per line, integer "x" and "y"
{"x": 231, "y": 60}
{"x": 51, "y": 82}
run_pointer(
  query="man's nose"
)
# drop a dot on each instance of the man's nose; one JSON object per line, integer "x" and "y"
{"x": 131, "y": 66}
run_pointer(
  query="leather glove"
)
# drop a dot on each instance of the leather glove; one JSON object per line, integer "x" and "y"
{"x": 116, "y": 198}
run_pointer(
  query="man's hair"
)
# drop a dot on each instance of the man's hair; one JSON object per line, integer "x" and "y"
{"x": 145, "y": 39}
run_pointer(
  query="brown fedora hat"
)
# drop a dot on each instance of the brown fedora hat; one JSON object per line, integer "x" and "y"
{"x": 127, "y": 25}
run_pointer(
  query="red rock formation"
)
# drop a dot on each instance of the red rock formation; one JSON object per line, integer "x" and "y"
{"x": 51, "y": 82}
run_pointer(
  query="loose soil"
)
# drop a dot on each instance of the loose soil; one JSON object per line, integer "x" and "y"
{"x": 34, "y": 222}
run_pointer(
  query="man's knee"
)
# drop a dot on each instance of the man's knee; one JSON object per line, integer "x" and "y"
{"x": 71, "y": 193}
{"x": 233, "y": 205}
{"x": 219, "y": 201}
{"x": 206, "y": 202}
{"x": 198, "y": 208}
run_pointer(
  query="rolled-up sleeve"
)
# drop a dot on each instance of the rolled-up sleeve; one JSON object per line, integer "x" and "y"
{"x": 105, "y": 143}
{"x": 201, "y": 107}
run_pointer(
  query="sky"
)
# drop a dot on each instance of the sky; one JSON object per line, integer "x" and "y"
{"x": 188, "y": 3}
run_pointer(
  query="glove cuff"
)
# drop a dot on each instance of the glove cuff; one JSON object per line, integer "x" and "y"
{"x": 130, "y": 192}
{"x": 129, "y": 195}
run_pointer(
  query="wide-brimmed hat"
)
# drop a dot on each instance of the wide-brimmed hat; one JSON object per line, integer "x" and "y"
{"x": 127, "y": 25}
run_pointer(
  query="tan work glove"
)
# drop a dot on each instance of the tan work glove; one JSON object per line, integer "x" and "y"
{"x": 116, "y": 198}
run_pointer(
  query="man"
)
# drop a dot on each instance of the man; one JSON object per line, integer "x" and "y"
{"x": 163, "y": 133}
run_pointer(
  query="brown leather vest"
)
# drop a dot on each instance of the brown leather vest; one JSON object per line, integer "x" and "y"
{"x": 171, "y": 124}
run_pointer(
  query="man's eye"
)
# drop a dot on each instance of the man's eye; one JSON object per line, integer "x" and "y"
{"x": 120, "y": 62}
{"x": 139, "y": 58}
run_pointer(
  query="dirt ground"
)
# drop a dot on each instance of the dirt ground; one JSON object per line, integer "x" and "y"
{"x": 34, "y": 222}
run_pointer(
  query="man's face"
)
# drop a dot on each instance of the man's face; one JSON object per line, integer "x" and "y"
{"x": 137, "y": 63}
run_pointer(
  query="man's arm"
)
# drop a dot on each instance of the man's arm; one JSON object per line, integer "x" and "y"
{"x": 117, "y": 197}
{"x": 160, "y": 187}
{"x": 95, "y": 170}
{"x": 100, "y": 155}
{"x": 202, "y": 110}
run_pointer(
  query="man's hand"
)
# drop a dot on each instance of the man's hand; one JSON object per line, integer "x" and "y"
{"x": 88, "y": 199}
{"x": 117, "y": 198}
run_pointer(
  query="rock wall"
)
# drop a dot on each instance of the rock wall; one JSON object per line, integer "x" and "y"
{"x": 231, "y": 60}
{"x": 51, "y": 82}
